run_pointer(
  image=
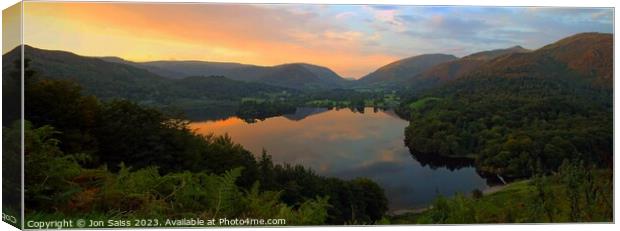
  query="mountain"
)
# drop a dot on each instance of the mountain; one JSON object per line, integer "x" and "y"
{"x": 404, "y": 69}
{"x": 96, "y": 76}
{"x": 456, "y": 68}
{"x": 522, "y": 109}
{"x": 121, "y": 79}
{"x": 181, "y": 69}
{"x": 587, "y": 55}
{"x": 324, "y": 73}
{"x": 294, "y": 75}
{"x": 585, "y": 58}
{"x": 488, "y": 55}
{"x": 301, "y": 75}
{"x": 161, "y": 71}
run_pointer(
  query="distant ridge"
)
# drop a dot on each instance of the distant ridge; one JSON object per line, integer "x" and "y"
{"x": 120, "y": 79}
{"x": 454, "y": 69}
{"x": 293, "y": 75}
{"x": 404, "y": 69}
{"x": 589, "y": 55}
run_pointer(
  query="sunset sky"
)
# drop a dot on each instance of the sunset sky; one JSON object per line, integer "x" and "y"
{"x": 352, "y": 40}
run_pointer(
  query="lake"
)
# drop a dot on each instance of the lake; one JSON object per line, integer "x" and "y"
{"x": 347, "y": 144}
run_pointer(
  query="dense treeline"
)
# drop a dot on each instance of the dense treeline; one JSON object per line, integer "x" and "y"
{"x": 83, "y": 154}
{"x": 252, "y": 110}
{"x": 357, "y": 201}
{"x": 510, "y": 125}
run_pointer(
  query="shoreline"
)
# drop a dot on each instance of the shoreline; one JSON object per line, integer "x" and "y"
{"x": 487, "y": 191}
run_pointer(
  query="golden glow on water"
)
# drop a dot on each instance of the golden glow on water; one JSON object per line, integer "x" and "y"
{"x": 334, "y": 126}
{"x": 348, "y": 145}
{"x": 220, "y": 125}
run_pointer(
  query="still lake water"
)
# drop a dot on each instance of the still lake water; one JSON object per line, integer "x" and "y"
{"x": 347, "y": 145}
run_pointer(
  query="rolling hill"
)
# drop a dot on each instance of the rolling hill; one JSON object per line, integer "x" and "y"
{"x": 588, "y": 55}
{"x": 404, "y": 69}
{"x": 109, "y": 80}
{"x": 447, "y": 71}
{"x": 182, "y": 69}
{"x": 293, "y": 75}
{"x": 523, "y": 113}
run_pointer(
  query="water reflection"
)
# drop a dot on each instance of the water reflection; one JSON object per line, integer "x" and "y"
{"x": 436, "y": 161}
{"x": 349, "y": 144}
{"x": 303, "y": 112}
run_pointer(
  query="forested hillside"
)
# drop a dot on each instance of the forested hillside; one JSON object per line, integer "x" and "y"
{"x": 445, "y": 72}
{"x": 523, "y": 111}
{"x": 114, "y": 158}
{"x": 110, "y": 80}
{"x": 404, "y": 70}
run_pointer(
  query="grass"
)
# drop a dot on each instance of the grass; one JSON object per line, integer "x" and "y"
{"x": 518, "y": 203}
{"x": 493, "y": 207}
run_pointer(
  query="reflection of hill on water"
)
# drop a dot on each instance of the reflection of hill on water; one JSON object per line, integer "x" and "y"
{"x": 303, "y": 112}
{"x": 438, "y": 161}
{"x": 454, "y": 163}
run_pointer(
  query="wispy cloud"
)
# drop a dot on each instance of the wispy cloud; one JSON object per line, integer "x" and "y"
{"x": 351, "y": 39}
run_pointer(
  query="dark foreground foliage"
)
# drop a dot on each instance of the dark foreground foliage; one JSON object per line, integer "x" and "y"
{"x": 116, "y": 158}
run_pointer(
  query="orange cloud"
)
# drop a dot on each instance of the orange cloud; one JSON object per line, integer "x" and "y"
{"x": 254, "y": 34}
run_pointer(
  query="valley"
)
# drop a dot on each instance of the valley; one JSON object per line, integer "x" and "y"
{"x": 299, "y": 137}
